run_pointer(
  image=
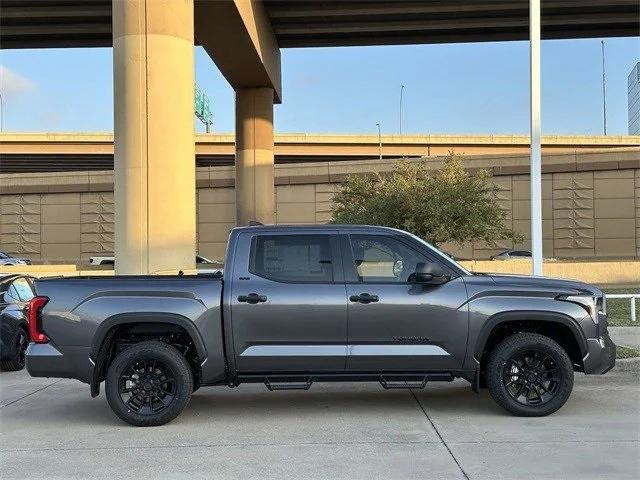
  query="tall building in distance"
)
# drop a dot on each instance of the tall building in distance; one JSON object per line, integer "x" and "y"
{"x": 633, "y": 96}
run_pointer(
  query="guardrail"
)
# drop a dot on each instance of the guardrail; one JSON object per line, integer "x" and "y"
{"x": 632, "y": 297}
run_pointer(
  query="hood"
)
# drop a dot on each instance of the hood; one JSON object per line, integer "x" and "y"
{"x": 561, "y": 285}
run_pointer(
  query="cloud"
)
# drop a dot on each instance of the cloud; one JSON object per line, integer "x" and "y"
{"x": 12, "y": 83}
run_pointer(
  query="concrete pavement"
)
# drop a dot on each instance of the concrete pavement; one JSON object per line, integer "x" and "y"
{"x": 53, "y": 429}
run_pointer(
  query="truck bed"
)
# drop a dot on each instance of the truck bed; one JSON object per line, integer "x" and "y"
{"x": 82, "y": 310}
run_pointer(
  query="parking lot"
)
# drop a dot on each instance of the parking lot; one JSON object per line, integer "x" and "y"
{"x": 54, "y": 429}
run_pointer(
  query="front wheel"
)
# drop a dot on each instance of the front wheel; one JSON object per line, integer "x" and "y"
{"x": 529, "y": 375}
{"x": 149, "y": 384}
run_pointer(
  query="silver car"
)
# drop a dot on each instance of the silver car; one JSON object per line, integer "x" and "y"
{"x": 7, "y": 260}
{"x": 512, "y": 255}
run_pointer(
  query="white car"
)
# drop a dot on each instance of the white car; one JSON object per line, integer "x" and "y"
{"x": 102, "y": 260}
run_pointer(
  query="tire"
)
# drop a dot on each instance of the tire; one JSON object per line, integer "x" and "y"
{"x": 149, "y": 384}
{"x": 19, "y": 343}
{"x": 529, "y": 375}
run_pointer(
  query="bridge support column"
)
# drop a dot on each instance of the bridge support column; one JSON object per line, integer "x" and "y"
{"x": 255, "y": 191}
{"x": 155, "y": 206}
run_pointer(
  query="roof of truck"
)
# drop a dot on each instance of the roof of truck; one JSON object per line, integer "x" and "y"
{"x": 313, "y": 226}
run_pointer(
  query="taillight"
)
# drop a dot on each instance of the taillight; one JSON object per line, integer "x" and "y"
{"x": 33, "y": 310}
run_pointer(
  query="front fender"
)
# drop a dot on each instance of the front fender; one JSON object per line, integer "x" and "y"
{"x": 528, "y": 315}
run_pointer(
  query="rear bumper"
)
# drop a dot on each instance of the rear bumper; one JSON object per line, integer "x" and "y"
{"x": 601, "y": 356}
{"x": 45, "y": 360}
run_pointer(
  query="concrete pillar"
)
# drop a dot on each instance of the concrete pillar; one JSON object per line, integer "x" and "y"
{"x": 255, "y": 197}
{"x": 155, "y": 204}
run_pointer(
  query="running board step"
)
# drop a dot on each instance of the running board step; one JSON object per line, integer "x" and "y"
{"x": 275, "y": 385}
{"x": 396, "y": 384}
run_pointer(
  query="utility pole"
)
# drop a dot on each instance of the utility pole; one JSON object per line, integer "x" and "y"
{"x": 536, "y": 147}
{"x": 604, "y": 92}
{"x": 401, "y": 91}
{"x": 379, "y": 140}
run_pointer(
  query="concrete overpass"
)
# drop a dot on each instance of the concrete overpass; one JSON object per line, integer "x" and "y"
{"x": 324, "y": 23}
{"x": 154, "y": 76}
{"x": 60, "y": 152}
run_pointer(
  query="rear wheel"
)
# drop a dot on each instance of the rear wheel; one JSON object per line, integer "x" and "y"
{"x": 17, "y": 354}
{"x": 529, "y": 375}
{"x": 149, "y": 384}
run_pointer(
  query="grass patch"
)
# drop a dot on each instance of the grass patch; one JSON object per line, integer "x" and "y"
{"x": 626, "y": 352}
{"x": 619, "y": 309}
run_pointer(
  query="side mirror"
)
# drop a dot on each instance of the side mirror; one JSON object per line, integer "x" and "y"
{"x": 430, "y": 273}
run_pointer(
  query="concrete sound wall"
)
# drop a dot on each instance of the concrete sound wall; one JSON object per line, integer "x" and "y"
{"x": 591, "y": 206}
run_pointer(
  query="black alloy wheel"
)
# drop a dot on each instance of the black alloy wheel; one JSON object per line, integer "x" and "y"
{"x": 532, "y": 377}
{"x": 147, "y": 386}
{"x": 149, "y": 383}
{"x": 529, "y": 374}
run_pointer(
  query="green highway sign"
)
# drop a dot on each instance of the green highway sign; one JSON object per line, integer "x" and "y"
{"x": 203, "y": 108}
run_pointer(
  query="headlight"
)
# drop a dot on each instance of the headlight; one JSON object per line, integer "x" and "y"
{"x": 593, "y": 305}
{"x": 22, "y": 262}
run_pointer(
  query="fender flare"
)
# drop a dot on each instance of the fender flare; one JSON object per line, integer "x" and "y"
{"x": 147, "y": 317}
{"x": 529, "y": 315}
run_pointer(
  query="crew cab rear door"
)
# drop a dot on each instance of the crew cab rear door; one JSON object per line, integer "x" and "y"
{"x": 288, "y": 302}
{"x": 396, "y": 324}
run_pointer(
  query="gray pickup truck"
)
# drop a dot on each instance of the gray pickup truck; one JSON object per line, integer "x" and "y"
{"x": 305, "y": 304}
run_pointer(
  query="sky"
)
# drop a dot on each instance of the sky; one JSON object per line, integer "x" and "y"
{"x": 474, "y": 88}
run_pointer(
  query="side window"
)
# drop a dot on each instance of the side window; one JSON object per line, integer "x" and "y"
{"x": 292, "y": 258}
{"x": 23, "y": 289}
{"x": 384, "y": 259}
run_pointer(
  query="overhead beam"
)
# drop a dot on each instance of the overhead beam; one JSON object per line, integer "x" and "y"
{"x": 459, "y": 24}
{"x": 238, "y": 36}
{"x": 291, "y": 10}
{"x": 311, "y": 23}
{"x": 306, "y": 23}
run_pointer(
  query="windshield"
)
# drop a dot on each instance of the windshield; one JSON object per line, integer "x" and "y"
{"x": 447, "y": 258}
{"x": 3, "y": 255}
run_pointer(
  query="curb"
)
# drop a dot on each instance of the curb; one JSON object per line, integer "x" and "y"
{"x": 627, "y": 365}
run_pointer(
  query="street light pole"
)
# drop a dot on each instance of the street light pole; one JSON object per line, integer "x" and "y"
{"x": 604, "y": 93}
{"x": 379, "y": 140}
{"x": 536, "y": 147}
{"x": 401, "y": 91}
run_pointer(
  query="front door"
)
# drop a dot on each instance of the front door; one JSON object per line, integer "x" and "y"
{"x": 396, "y": 324}
{"x": 288, "y": 304}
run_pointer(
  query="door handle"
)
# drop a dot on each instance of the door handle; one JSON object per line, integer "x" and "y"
{"x": 364, "y": 298}
{"x": 252, "y": 298}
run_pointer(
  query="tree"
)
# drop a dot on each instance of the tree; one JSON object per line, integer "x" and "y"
{"x": 439, "y": 205}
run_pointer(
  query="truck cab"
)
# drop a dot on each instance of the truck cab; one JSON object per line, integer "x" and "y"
{"x": 342, "y": 301}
